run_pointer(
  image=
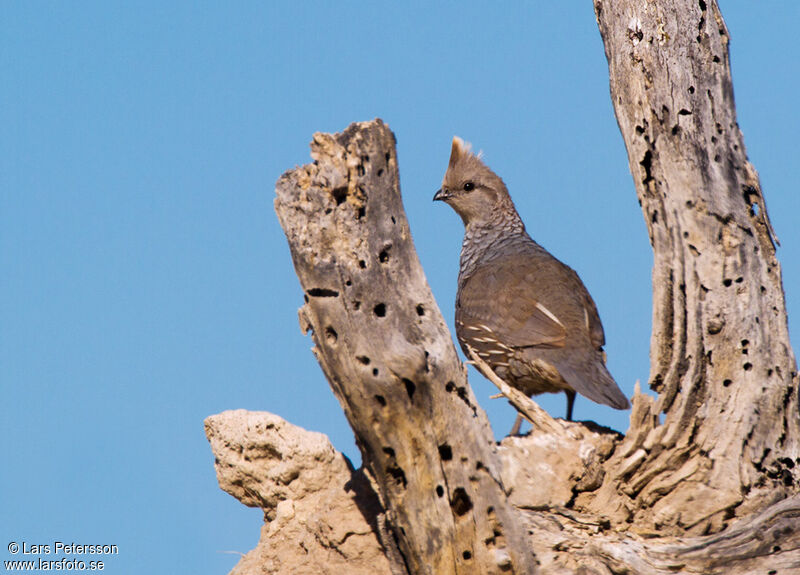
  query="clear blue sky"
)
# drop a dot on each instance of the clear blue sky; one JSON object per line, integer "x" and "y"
{"x": 145, "y": 282}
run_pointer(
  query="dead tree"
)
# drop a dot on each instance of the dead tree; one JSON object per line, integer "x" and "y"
{"x": 711, "y": 489}
{"x": 720, "y": 354}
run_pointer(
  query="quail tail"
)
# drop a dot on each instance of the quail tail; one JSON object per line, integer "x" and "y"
{"x": 590, "y": 377}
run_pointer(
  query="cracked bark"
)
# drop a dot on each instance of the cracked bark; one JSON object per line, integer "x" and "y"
{"x": 713, "y": 488}
{"x": 387, "y": 353}
{"x": 720, "y": 354}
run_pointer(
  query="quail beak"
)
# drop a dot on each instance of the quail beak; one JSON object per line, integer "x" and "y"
{"x": 441, "y": 195}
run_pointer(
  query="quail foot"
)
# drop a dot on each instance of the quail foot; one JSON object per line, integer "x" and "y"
{"x": 526, "y": 314}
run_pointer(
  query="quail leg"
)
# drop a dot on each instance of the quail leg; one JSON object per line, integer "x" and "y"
{"x": 570, "y": 403}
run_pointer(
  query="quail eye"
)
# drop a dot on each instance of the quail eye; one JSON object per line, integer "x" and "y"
{"x": 469, "y": 186}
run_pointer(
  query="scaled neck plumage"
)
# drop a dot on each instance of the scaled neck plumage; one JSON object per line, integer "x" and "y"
{"x": 500, "y": 234}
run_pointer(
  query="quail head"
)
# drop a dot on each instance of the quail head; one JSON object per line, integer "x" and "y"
{"x": 526, "y": 314}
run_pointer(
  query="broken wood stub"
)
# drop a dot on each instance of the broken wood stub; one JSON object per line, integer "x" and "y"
{"x": 387, "y": 353}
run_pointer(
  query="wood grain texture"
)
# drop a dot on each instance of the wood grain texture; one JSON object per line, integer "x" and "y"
{"x": 390, "y": 360}
{"x": 720, "y": 354}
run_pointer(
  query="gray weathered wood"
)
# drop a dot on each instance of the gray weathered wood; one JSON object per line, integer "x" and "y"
{"x": 390, "y": 360}
{"x": 767, "y": 542}
{"x": 720, "y": 354}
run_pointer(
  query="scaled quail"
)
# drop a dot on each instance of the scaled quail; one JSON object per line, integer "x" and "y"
{"x": 526, "y": 314}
